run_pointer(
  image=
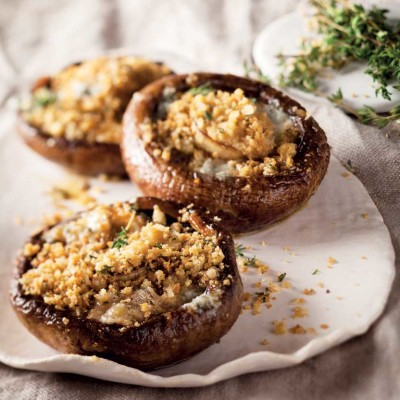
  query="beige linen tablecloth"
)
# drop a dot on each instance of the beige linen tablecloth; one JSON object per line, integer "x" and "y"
{"x": 36, "y": 35}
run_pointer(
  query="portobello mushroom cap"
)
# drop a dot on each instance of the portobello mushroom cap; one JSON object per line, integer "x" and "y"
{"x": 269, "y": 199}
{"x": 81, "y": 156}
{"x": 161, "y": 340}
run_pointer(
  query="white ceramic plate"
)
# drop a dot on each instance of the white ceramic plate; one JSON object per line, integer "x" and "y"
{"x": 340, "y": 221}
{"x": 284, "y": 35}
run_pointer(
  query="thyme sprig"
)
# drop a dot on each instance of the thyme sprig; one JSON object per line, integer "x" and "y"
{"x": 239, "y": 249}
{"x": 201, "y": 89}
{"x": 121, "y": 239}
{"x": 348, "y": 33}
{"x": 44, "y": 97}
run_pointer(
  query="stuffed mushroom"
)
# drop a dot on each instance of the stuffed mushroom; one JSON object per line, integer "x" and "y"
{"x": 240, "y": 148}
{"x": 74, "y": 117}
{"x": 143, "y": 283}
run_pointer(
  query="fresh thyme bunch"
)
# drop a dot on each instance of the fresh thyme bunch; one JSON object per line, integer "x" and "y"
{"x": 348, "y": 33}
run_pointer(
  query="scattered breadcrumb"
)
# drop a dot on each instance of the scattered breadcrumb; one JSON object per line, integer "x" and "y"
{"x": 297, "y": 330}
{"x": 298, "y": 300}
{"x": 346, "y": 175}
{"x": 286, "y": 284}
{"x": 109, "y": 178}
{"x": 246, "y": 296}
{"x": 263, "y": 269}
{"x": 309, "y": 292}
{"x": 299, "y": 312}
{"x": 76, "y": 190}
{"x": 274, "y": 287}
{"x": 265, "y": 342}
{"x": 243, "y": 268}
{"x": 18, "y": 220}
{"x": 324, "y": 326}
{"x": 279, "y": 327}
{"x": 331, "y": 261}
{"x": 365, "y": 215}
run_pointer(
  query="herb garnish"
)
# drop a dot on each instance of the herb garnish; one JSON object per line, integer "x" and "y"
{"x": 239, "y": 249}
{"x": 201, "y": 89}
{"x": 105, "y": 269}
{"x": 121, "y": 240}
{"x": 316, "y": 272}
{"x": 208, "y": 115}
{"x": 44, "y": 97}
{"x": 348, "y": 33}
{"x": 281, "y": 277}
{"x": 158, "y": 245}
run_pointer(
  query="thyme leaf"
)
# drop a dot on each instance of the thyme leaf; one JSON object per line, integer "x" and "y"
{"x": 105, "y": 269}
{"x": 316, "y": 272}
{"x": 121, "y": 239}
{"x": 44, "y": 97}
{"x": 239, "y": 249}
{"x": 281, "y": 277}
{"x": 208, "y": 115}
{"x": 201, "y": 89}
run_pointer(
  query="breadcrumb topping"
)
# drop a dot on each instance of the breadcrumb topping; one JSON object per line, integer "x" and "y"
{"x": 86, "y": 101}
{"x": 119, "y": 265}
{"x": 226, "y": 134}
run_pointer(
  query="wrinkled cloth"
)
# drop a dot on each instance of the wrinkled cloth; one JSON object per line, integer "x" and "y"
{"x": 213, "y": 35}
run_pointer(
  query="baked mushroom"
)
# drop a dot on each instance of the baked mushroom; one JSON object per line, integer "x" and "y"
{"x": 74, "y": 117}
{"x": 142, "y": 283}
{"x": 240, "y": 148}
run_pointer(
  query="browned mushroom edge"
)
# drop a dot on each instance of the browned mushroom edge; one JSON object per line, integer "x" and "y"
{"x": 163, "y": 339}
{"x": 270, "y": 199}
